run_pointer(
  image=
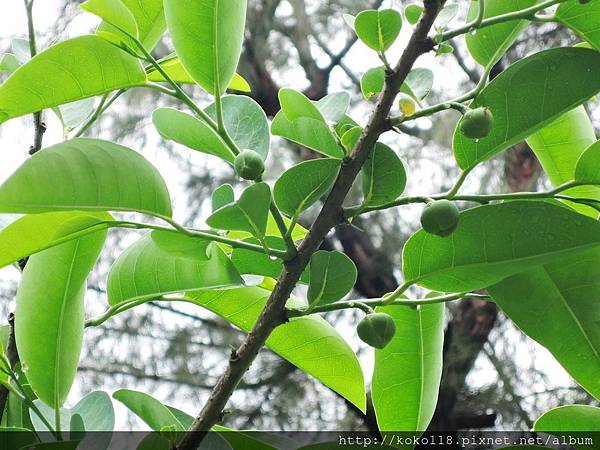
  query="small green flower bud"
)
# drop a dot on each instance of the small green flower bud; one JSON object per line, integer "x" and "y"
{"x": 440, "y": 218}
{"x": 477, "y": 123}
{"x": 376, "y": 330}
{"x": 249, "y": 165}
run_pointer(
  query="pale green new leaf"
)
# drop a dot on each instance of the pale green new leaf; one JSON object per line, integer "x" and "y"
{"x": 304, "y": 184}
{"x": 383, "y": 176}
{"x": 77, "y": 68}
{"x": 162, "y": 263}
{"x": 488, "y": 44}
{"x": 85, "y": 174}
{"x": 114, "y": 12}
{"x": 407, "y": 373}
{"x": 550, "y": 82}
{"x": 581, "y": 18}
{"x": 187, "y": 130}
{"x": 208, "y": 37}
{"x": 311, "y": 133}
{"x": 493, "y": 242}
{"x": 156, "y": 415}
{"x": 378, "y": 29}
{"x": 9, "y": 63}
{"x": 248, "y": 214}
{"x": 565, "y": 294}
{"x": 54, "y": 282}
{"x": 334, "y": 106}
{"x": 572, "y": 418}
{"x": 332, "y": 276}
{"x": 308, "y": 342}
{"x": 75, "y": 113}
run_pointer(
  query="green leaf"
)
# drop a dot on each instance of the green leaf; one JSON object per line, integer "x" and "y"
{"x": 187, "y": 130}
{"x": 298, "y": 233}
{"x": 558, "y": 147}
{"x": 208, "y": 37}
{"x": 9, "y": 63}
{"x": 446, "y": 15}
{"x": 332, "y": 276}
{"x": 311, "y": 133}
{"x": 36, "y": 232}
{"x": 413, "y": 13}
{"x": 296, "y": 105}
{"x": 587, "y": 169}
{"x": 114, "y": 12}
{"x": 493, "y": 242}
{"x": 81, "y": 67}
{"x": 383, "y": 176}
{"x": 156, "y": 415}
{"x": 59, "y": 445}
{"x": 550, "y": 82}
{"x": 54, "y": 282}
{"x": 222, "y": 196}
{"x": 97, "y": 412}
{"x": 581, "y": 18}
{"x": 304, "y": 184}
{"x": 408, "y": 370}
{"x": 372, "y": 81}
{"x": 418, "y": 83}
{"x": 378, "y": 29}
{"x": 334, "y": 106}
{"x": 565, "y": 294}
{"x": 86, "y": 174}
{"x": 488, "y": 44}
{"x": 163, "y": 263}
{"x": 17, "y": 437}
{"x": 75, "y": 113}
{"x": 248, "y": 214}
{"x": 349, "y": 19}
{"x": 570, "y": 418}
{"x": 350, "y": 138}
{"x": 21, "y": 49}
{"x": 245, "y": 122}
{"x": 308, "y": 342}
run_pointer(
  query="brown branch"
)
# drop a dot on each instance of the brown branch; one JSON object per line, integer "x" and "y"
{"x": 331, "y": 214}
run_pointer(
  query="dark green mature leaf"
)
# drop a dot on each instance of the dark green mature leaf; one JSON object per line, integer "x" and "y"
{"x": 187, "y": 130}
{"x": 383, "y": 176}
{"x": 378, "y": 29}
{"x": 308, "y": 342}
{"x": 246, "y": 123}
{"x": 86, "y": 174}
{"x": 249, "y": 213}
{"x": 332, "y": 276}
{"x": 334, "y": 106}
{"x": 488, "y": 44}
{"x": 114, "y": 12}
{"x": 163, "y": 263}
{"x": 208, "y": 36}
{"x": 77, "y": 68}
{"x": 565, "y": 294}
{"x": 550, "y": 82}
{"x": 570, "y": 418}
{"x": 59, "y": 445}
{"x": 581, "y": 18}
{"x": 222, "y": 196}
{"x": 304, "y": 184}
{"x": 311, "y": 133}
{"x": 36, "y": 232}
{"x": 156, "y": 415}
{"x": 559, "y": 146}
{"x": 408, "y": 370}
{"x": 493, "y": 242}
{"x": 54, "y": 282}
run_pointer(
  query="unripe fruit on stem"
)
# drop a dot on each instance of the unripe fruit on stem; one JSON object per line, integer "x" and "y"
{"x": 249, "y": 165}
{"x": 407, "y": 105}
{"x": 440, "y": 218}
{"x": 477, "y": 123}
{"x": 376, "y": 329}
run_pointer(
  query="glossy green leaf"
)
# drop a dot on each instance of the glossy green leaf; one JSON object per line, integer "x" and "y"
{"x": 222, "y": 196}
{"x": 413, "y": 13}
{"x": 298, "y": 233}
{"x": 581, "y": 18}
{"x": 332, "y": 276}
{"x": 114, "y": 12}
{"x": 187, "y": 130}
{"x": 77, "y": 68}
{"x": 208, "y": 37}
{"x": 334, "y": 106}
{"x": 588, "y": 167}
{"x": 418, "y": 83}
{"x": 378, "y": 29}
{"x": 408, "y": 370}
{"x": 85, "y": 174}
{"x": 311, "y": 133}
{"x": 372, "y": 81}
{"x": 570, "y": 418}
{"x": 9, "y": 63}
{"x": 383, "y": 176}
{"x": 248, "y": 214}
{"x": 488, "y": 44}
{"x": 54, "y": 282}
{"x": 565, "y": 294}
{"x": 308, "y": 342}
{"x": 493, "y": 242}
{"x": 550, "y": 82}
{"x": 36, "y": 232}
{"x": 350, "y": 138}
{"x": 304, "y": 184}
{"x": 163, "y": 263}
{"x": 156, "y": 415}
{"x": 245, "y": 122}
{"x": 559, "y": 146}
{"x": 296, "y": 105}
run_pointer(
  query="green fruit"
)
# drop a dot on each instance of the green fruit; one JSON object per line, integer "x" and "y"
{"x": 249, "y": 165}
{"x": 477, "y": 123}
{"x": 376, "y": 330}
{"x": 440, "y": 218}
